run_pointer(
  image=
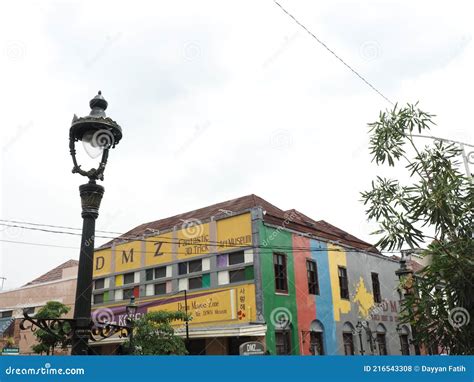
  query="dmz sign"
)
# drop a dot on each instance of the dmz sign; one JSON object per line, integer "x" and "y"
{"x": 252, "y": 348}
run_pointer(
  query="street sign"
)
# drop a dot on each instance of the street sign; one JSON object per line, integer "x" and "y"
{"x": 252, "y": 348}
{"x": 10, "y": 351}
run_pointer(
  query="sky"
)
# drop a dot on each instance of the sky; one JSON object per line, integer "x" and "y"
{"x": 216, "y": 100}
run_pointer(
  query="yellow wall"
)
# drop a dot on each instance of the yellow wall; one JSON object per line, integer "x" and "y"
{"x": 364, "y": 298}
{"x": 337, "y": 257}
{"x": 193, "y": 241}
{"x": 222, "y": 305}
{"x": 128, "y": 256}
{"x": 158, "y": 249}
{"x": 102, "y": 262}
{"x": 235, "y": 230}
{"x": 232, "y": 233}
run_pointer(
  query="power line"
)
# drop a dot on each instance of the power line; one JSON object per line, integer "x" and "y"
{"x": 200, "y": 244}
{"x": 54, "y": 226}
{"x": 121, "y": 235}
{"x": 37, "y": 244}
{"x": 135, "y": 238}
{"x": 334, "y": 54}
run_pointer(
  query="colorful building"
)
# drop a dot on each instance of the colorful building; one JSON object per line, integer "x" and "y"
{"x": 254, "y": 272}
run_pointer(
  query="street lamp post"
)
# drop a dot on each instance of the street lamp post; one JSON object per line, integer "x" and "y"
{"x": 131, "y": 310}
{"x": 187, "y": 318}
{"x": 406, "y": 277}
{"x": 100, "y": 132}
{"x": 359, "y": 327}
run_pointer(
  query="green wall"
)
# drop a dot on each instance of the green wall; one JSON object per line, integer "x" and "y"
{"x": 273, "y": 240}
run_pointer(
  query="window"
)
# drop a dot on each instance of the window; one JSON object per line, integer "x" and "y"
{"x": 6, "y": 314}
{"x": 405, "y": 344}
{"x": 98, "y": 298}
{"x": 195, "y": 282}
{"x": 343, "y": 283}
{"x": 129, "y": 278}
{"x": 195, "y": 266}
{"x": 155, "y": 273}
{"x": 376, "y": 288}
{"x": 279, "y": 264}
{"x": 382, "y": 343}
{"x": 283, "y": 342}
{"x": 99, "y": 283}
{"x": 236, "y": 258}
{"x": 29, "y": 310}
{"x": 127, "y": 294}
{"x": 348, "y": 341}
{"x": 149, "y": 274}
{"x": 190, "y": 267}
{"x": 160, "y": 288}
{"x": 160, "y": 272}
{"x": 237, "y": 276}
{"x": 182, "y": 268}
{"x": 312, "y": 273}
{"x": 316, "y": 343}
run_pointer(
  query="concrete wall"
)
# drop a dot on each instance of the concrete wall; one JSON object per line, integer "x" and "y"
{"x": 36, "y": 296}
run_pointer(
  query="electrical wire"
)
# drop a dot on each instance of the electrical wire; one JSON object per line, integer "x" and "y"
{"x": 293, "y": 249}
{"x": 54, "y": 226}
{"x": 335, "y": 55}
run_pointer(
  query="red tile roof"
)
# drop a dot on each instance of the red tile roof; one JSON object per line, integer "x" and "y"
{"x": 54, "y": 274}
{"x": 291, "y": 219}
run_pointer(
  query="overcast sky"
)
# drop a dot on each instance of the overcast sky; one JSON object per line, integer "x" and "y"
{"x": 216, "y": 100}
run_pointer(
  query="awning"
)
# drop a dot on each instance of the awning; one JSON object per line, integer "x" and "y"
{"x": 256, "y": 330}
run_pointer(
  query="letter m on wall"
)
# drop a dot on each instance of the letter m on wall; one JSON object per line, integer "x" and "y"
{"x": 127, "y": 257}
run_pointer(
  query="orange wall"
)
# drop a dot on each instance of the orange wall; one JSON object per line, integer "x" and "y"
{"x": 306, "y": 303}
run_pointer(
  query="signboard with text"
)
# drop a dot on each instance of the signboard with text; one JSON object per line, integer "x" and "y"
{"x": 186, "y": 241}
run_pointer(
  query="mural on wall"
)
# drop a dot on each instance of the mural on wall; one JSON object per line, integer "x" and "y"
{"x": 364, "y": 299}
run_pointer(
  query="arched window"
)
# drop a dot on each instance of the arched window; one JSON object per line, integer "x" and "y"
{"x": 316, "y": 338}
{"x": 404, "y": 334}
{"x": 348, "y": 338}
{"x": 381, "y": 339}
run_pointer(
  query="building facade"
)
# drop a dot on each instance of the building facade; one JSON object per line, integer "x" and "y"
{"x": 249, "y": 271}
{"x": 59, "y": 284}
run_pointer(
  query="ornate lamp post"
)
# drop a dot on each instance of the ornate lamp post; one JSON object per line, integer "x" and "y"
{"x": 103, "y": 133}
{"x": 131, "y": 310}
{"x": 406, "y": 277}
{"x": 359, "y": 327}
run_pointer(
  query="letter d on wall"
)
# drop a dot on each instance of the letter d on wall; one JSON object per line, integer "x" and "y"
{"x": 99, "y": 263}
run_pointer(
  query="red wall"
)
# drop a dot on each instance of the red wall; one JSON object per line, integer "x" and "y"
{"x": 305, "y": 303}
